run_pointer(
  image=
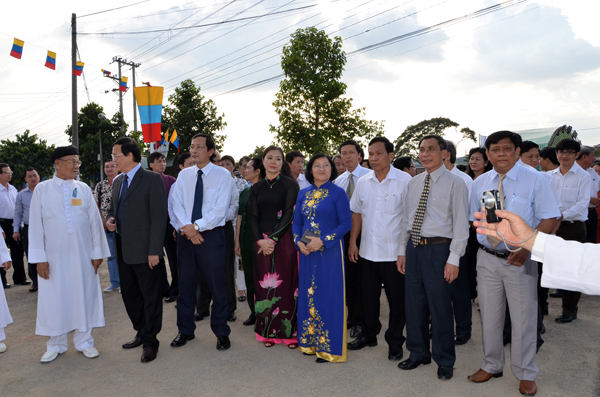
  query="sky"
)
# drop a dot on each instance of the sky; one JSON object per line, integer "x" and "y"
{"x": 535, "y": 64}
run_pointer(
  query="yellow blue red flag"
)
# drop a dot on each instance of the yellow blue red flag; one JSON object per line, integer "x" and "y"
{"x": 51, "y": 60}
{"x": 17, "y": 48}
{"x": 78, "y": 68}
{"x": 149, "y": 101}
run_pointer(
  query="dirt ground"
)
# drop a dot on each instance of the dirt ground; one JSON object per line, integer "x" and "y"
{"x": 568, "y": 361}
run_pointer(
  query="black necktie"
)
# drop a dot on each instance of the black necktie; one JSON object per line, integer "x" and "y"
{"x": 197, "y": 210}
{"x": 124, "y": 187}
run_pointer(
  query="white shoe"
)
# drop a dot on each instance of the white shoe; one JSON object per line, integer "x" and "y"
{"x": 49, "y": 356}
{"x": 110, "y": 288}
{"x": 2, "y": 347}
{"x": 90, "y": 352}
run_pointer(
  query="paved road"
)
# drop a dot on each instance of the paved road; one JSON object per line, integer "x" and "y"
{"x": 567, "y": 368}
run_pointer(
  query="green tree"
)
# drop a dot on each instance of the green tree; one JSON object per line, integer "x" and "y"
{"x": 26, "y": 151}
{"x": 258, "y": 152}
{"x": 313, "y": 114}
{"x": 90, "y": 125}
{"x": 407, "y": 143}
{"x": 190, "y": 113}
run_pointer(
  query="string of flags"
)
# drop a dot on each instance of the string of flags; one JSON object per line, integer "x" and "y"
{"x": 51, "y": 60}
{"x": 105, "y": 72}
{"x": 78, "y": 68}
{"x": 123, "y": 84}
{"x": 17, "y": 48}
{"x": 17, "y": 52}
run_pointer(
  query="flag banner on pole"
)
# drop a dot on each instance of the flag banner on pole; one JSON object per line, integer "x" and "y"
{"x": 51, "y": 60}
{"x": 78, "y": 68}
{"x": 149, "y": 103}
{"x": 17, "y": 49}
{"x": 123, "y": 85}
{"x": 175, "y": 139}
{"x": 147, "y": 83}
{"x": 105, "y": 72}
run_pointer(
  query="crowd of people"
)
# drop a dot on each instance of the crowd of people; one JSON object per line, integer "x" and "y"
{"x": 308, "y": 246}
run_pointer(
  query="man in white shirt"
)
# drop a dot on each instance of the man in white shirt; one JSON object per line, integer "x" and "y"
{"x": 378, "y": 206}
{"x": 350, "y": 153}
{"x": 574, "y": 185}
{"x": 504, "y": 276}
{"x": 8, "y": 196}
{"x": 461, "y": 293}
{"x": 434, "y": 234}
{"x": 586, "y": 160}
{"x": 295, "y": 160}
{"x": 201, "y": 200}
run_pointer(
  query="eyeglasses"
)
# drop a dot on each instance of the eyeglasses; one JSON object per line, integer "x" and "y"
{"x": 198, "y": 147}
{"x": 72, "y": 163}
{"x": 321, "y": 167}
{"x": 566, "y": 153}
{"x": 6, "y": 172}
{"x": 114, "y": 156}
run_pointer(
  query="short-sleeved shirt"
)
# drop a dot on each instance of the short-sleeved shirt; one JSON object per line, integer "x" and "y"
{"x": 103, "y": 196}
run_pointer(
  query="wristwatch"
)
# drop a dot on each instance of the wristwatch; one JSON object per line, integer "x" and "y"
{"x": 196, "y": 227}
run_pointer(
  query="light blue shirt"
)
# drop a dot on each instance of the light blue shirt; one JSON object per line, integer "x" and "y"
{"x": 527, "y": 193}
{"x": 22, "y": 204}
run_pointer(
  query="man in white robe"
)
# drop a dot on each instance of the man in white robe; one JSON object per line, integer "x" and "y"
{"x": 5, "y": 318}
{"x": 67, "y": 241}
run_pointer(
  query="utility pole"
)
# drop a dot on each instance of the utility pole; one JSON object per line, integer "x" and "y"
{"x": 74, "y": 110}
{"x": 118, "y": 78}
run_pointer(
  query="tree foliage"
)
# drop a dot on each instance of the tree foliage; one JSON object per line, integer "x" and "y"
{"x": 190, "y": 113}
{"x": 90, "y": 125}
{"x": 407, "y": 143}
{"x": 313, "y": 115}
{"x": 258, "y": 152}
{"x": 26, "y": 151}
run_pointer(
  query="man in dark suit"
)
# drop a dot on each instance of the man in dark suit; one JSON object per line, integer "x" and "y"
{"x": 139, "y": 210}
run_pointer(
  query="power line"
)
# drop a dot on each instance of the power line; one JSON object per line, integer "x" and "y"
{"x": 113, "y": 9}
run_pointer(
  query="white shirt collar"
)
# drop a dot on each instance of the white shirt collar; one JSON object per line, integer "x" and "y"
{"x": 206, "y": 169}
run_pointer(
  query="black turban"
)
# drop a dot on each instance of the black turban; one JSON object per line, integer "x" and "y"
{"x": 63, "y": 151}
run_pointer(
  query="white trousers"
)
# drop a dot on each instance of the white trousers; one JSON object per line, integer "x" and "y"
{"x": 2, "y": 334}
{"x": 81, "y": 340}
{"x": 241, "y": 281}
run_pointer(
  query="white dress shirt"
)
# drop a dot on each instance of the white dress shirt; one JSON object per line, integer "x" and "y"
{"x": 342, "y": 180}
{"x": 446, "y": 212}
{"x": 216, "y": 199}
{"x": 526, "y": 193}
{"x": 7, "y": 201}
{"x": 595, "y": 185}
{"x": 583, "y": 272}
{"x": 574, "y": 188}
{"x": 234, "y": 205}
{"x": 302, "y": 182}
{"x": 466, "y": 178}
{"x": 381, "y": 205}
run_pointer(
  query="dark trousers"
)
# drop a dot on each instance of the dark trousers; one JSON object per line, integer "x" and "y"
{"x": 171, "y": 251}
{"x": 248, "y": 264}
{"x": 353, "y": 286}
{"x": 542, "y": 292}
{"x": 591, "y": 226}
{"x": 31, "y": 267}
{"x": 372, "y": 275}
{"x": 203, "y": 293}
{"x": 16, "y": 254}
{"x": 575, "y": 231}
{"x": 461, "y": 298}
{"x": 207, "y": 259}
{"x": 428, "y": 293}
{"x": 141, "y": 292}
{"x": 472, "y": 249}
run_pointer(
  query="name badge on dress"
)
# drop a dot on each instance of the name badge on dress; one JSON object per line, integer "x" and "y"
{"x": 75, "y": 201}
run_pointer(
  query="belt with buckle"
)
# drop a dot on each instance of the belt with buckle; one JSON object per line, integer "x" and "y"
{"x": 499, "y": 254}
{"x": 211, "y": 230}
{"x": 434, "y": 240}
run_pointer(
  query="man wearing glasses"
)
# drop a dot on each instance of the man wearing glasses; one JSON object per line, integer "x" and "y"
{"x": 67, "y": 241}
{"x": 573, "y": 184}
{"x": 8, "y": 196}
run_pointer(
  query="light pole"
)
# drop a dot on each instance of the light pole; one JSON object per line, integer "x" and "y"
{"x": 101, "y": 116}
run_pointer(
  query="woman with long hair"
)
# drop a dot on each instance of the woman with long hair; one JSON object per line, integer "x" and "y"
{"x": 272, "y": 202}
{"x": 321, "y": 220}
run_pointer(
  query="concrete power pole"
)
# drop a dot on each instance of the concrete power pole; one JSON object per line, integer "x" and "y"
{"x": 74, "y": 110}
{"x": 118, "y": 78}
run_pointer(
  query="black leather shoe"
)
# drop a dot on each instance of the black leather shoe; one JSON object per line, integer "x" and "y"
{"x": 170, "y": 299}
{"x": 321, "y": 360}
{"x": 33, "y": 289}
{"x": 251, "y": 321}
{"x": 355, "y": 331}
{"x": 545, "y": 311}
{"x": 557, "y": 294}
{"x": 242, "y": 298}
{"x": 395, "y": 353}
{"x": 505, "y": 340}
{"x": 137, "y": 341}
{"x": 445, "y": 373}
{"x": 149, "y": 354}
{"x": 461, "y": 339}
{"x": 26, "y": 282}
{"x": 6, "y": 286}
{"x": 231, "y": 317}
{"x": 181, "y": 340}
{"x": 200, "y": 316}
{"x": 361, "y": 342}
{"x": 223, "y": 343}
{"x": 564, "y": 318}
{"x": 410, "y": 364}
{"x": 543, "y": 330}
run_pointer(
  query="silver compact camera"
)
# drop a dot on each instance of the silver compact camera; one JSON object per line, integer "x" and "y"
{"x": 491, "y": 202}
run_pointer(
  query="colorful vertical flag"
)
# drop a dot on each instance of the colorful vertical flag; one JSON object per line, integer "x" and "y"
{"x": 105, "y": 72}
{"x": 175, "y": 139}
{"x": 123, "y": 86}
{"x": 78, "y": 68}
{"x": 149, "y": 101}
{"x": 146, "y": 83}
{"x": 17, "y": 48}
{"x": 51, "y": 60}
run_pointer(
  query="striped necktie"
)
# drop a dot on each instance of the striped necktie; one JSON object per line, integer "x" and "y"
{"x": 420, "y": 214}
